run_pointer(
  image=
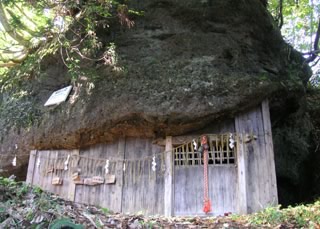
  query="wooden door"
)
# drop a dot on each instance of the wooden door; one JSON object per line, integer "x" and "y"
{"x": 189, "y": 184}
{"x": 222, "y": 174}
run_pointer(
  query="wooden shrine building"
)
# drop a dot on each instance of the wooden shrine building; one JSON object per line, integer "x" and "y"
{"x": 166, "y": 176}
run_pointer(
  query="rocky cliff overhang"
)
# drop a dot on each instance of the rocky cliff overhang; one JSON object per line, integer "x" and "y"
{"x": 182, "y": 66}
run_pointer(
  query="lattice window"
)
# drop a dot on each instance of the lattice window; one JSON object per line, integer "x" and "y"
{"x": 220, "y": 152}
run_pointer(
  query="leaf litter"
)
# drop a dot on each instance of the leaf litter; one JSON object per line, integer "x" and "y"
{"x": 23, "y": 206}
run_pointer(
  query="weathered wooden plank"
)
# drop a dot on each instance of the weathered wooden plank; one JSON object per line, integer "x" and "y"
{"x": 168, "y": 179}
{"x": 46, "y": 177}
{"x": 31, "y": 166}
{"x": 37, "y": 170}
{"x": 176, "y": 140}
{"x": 244, "y": 125}
{"x": 180, "y": 140}
{"x": 72, "y": 185}
{"x": 241, "y": 174}
{"x": 260, "y": 146}
{"x": 120, "y": 172}
{"x": 269, "y": 153}
{"x": 146, "y": 192}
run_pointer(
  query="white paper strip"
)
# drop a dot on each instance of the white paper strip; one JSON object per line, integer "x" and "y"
{"x": 66, "y": 163}
{"x": 154, "y": 164}
{"x": 231, "y": 141}
{"x": 195, "y": 145}
{"x": 106, "y": 167}
{"x": 14, "y": 161}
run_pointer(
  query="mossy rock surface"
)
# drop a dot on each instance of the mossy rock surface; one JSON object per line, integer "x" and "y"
{"x": 183, "y": 66}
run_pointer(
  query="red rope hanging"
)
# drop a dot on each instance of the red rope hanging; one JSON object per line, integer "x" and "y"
{"x": 207, "y": 202}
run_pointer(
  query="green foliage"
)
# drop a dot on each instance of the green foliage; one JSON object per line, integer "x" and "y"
{"x": 148, "y": 224}
{"x": 17, "y": 189}
{"x": 64, "y": 223}
{"x": 106, "y": 211}
{"x": 300, "y": 21}
{"x": 31, "y": 28}
{"x": 69, "y": 27}
{"x": 302, "y": 216}
{"x": 270, "y": 215}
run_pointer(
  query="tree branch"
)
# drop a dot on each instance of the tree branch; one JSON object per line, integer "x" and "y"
{"x": 280, "y": 16}
{"x": 4, "y": 22}
{"x": 314, "y": 53}
{"x": 311, "y": 52}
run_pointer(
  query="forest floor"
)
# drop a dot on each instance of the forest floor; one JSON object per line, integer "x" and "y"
{"x": 23, "y": 206}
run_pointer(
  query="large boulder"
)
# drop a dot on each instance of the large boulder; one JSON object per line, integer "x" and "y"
{"x": 183, "y": 65}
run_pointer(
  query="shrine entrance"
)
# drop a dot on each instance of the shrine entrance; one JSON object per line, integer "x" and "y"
{"x": 189, "y": 177}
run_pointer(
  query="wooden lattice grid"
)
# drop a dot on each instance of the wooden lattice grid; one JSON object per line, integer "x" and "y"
{"x": 219, "y": 153}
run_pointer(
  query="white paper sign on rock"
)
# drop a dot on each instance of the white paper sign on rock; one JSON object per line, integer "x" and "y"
{"x": 59, "y": 96}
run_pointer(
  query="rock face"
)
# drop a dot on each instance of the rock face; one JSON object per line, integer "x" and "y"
{"x": 183, "y": 65}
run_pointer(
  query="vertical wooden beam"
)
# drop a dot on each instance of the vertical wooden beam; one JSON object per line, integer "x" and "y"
{"x": 119, "y": 170}
{"x": 31, "y": 166}
{"x": 168, "y": 180}
{"x": 241, "y": 167}
{"x": 72, "y": 185}
{"x": 269, "y": 152}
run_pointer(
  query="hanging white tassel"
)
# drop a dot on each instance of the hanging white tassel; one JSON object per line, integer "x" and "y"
{"x": 66, "y": 163}
{"x": 231, "y": 141}
{"x": 195, "y": 145}
{"x": 14, "y": 161}
{"x": 106, "y": 167}
{"x": 154, "y": 164}
{"x": 38, "y": 162}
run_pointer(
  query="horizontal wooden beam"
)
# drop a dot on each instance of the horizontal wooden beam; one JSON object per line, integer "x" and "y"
{"x": 180, "y": 140}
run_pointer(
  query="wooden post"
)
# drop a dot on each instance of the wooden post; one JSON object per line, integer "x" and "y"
{"x": 242, "y": 161}
{"x": 72, "y": 185}
{"x": 269, "y": 152}
{"x": 31, "y": 166}
{"x": 119, "y": 170}
{"x": 242, "y": 175}
{"x": 168, "y": 182}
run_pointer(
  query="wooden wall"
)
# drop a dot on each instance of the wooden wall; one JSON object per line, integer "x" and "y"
{"x": 246, "y": 186}
{"x": 258, "y": 165}
{"x": 137, "y": 188}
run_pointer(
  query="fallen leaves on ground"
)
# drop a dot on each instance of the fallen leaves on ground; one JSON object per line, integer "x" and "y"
{"x": 23, "y": 206}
